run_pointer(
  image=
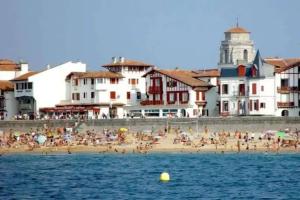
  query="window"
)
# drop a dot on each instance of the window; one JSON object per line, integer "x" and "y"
{"x": 100, "y": 80}
{"x": 92, "y": 81}
{"x": 203, "y": 96}
{"x": 253, "y": 88}
{"x": 75, "y": 82}
{"x": 253, "y": 71}
{"x": 152, "y": 113}
{"x": 84, "y": 95}
{"x": 225, "y": 106}
{"x": 112, "y": 95}
{"x": 84, "y": 81}
{"x": 75, "y": 96}
{"x": 138, "y": 95}
{"x": 197, "y": 96}
{"x": 92, "y": 95}
{"x": 225, "y": 89}
{"x": 29, "y": 86}
{"x": 262, "y": 88}
{"x": 241, "y": 70}
{"x": 114, "y": 81}
{"x": 184, "y": 97}
{"x": 128, "y": 95}
{"x": 169, "y": 112}
{"x": 171, "y": 83}
{"x": 241, "y": 89}
{"x": 171, "y": 97}
{"x": 284, "y": 82}
{"x": 262, "y": 105}
{"x": 245, "y": 55}
{"x": 256, "y": 104}
{"x": 226, "y": 56}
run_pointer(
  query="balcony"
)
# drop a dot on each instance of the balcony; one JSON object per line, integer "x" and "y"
{"x": 285, "y": 104}
{"x": 286, "y": 89}
{"x": 154, "y": 90}
{"x": 152, "y": 102}
{"x": 201, "y": 103}
{"x": 24, "y": 92}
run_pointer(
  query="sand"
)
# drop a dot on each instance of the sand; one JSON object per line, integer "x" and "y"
{"x": 164, "y": 144}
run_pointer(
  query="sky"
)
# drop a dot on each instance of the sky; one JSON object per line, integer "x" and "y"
{"x": 168, "y": 33}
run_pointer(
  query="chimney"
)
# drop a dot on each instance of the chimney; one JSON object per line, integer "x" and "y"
{"x": 121, "y": 59}
{"x": 114, "y": 60}
{"x": 48, "y": 67}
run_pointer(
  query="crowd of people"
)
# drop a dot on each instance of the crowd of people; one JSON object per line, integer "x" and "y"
{"x": 144, "y": 141}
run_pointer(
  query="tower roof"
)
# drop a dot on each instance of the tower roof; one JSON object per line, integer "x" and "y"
{"x": 237, "y": 29}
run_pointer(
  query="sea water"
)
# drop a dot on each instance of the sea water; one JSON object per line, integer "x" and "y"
{"x": 136, "y": 176}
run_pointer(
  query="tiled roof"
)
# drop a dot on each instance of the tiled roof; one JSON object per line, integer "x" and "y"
{"x": 128, "y": 63}
{"x": 6, "y": 85}
{"x": 282, "y": 64}
{"x": 237, "y": 30}
{"x": 24, "y": 77}
{"x": 207, "y": 73}
{"x": 96, "y": 74}
{"x": 184, "y": 76}
{"x": 8, "y": 65}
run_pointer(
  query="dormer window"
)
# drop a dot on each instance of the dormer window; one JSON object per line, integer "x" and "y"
{"x": 241, "y": 70}
{"x": 253, "y": 71}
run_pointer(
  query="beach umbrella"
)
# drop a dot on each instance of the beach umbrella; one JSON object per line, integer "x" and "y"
{"x": 41, "y": 139}
{"x": 17, "y": 133}
{"x": 123, "y": 129}
{"x": 280, "y": 134}
{"x": 68, "y": 137}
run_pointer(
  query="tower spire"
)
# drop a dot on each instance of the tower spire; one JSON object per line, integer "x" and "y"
{"x": 237, "y": 21}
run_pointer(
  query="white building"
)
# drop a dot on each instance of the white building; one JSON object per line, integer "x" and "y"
{"x": 211, "y": 76}
{"x": 248, "y": 89}
{"x": 177, "y": 93}
{"x": 35, "y": 90}
{"x": 287, "y": 84}
{"x": 9, "y": 70}
{"x": 104, "y": 94}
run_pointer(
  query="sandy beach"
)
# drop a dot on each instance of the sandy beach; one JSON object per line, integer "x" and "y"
{"x": 124, "y": 142}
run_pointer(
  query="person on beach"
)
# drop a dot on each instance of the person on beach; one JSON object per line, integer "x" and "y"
{"x": 238, "y": 145}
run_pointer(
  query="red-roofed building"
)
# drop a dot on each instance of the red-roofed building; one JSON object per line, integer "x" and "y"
{"x": 177, "y": 93}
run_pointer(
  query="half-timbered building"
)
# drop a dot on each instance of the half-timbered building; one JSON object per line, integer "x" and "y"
{"x": 176, "y": 93}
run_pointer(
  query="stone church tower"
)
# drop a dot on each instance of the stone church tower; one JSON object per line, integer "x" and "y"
{"x": 237, "y": 48}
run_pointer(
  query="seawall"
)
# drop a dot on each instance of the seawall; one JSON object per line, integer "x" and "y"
{"x": 250, "y": 124}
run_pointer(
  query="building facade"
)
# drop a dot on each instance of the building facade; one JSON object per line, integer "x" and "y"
{"x": 35, "y": 90}
{"x": 248, "y": 89}
{"x": 287, "y": 84}
{"x": 9, "y": 70}
{"x": 177, "y": 93}
{"x": 104, "y": 94}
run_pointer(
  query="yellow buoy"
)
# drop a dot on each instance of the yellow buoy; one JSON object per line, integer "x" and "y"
{"x": 164, "y": 177}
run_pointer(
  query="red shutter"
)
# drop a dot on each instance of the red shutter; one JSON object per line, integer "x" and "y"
{"x": 113, "y": 95}
{"x": 250, "y": 105}
{"x": 197, "y": 95}
{"x": 128, "y": 95}
{"x": 203, "y": 96}
{"x": 253, "y": 88}
{"x": 168, "y": 97}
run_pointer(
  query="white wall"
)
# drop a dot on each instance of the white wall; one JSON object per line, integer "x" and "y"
{"x": 49, "y": 86}
{"x": 7, "y": 75}
{"x": 11, "y": 105}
